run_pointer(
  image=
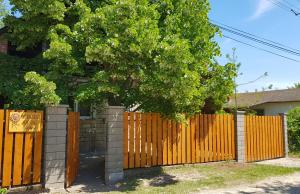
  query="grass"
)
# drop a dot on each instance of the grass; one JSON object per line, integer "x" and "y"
{"x": 294, "y": 154}
{"x": 189, "y": 178}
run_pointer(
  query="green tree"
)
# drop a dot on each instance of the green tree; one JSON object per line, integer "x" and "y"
{"x": 157, "y": 54}
{"x": 296, "y": 85}
{"x": 293, "y": 121}
{"x": 3, "y": 13}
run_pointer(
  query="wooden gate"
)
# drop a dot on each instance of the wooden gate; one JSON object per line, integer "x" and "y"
{"x": 264, "y": 137}
{"x": 20, "y": 152}
{"x": 72, "y": 147}
{"x": 150, "y": 140}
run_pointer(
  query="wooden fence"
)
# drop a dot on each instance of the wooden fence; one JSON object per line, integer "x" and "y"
{"x": 150, "y": 140}
{"x": 72, "y": 147}
{"x": 20, "y": 153}
{"x": 264, "y": 137}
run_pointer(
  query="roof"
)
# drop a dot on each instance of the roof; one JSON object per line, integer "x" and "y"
{"x": 255, "y": 98}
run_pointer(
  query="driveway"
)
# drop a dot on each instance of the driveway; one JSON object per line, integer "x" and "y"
{"x": 284, "y": 184}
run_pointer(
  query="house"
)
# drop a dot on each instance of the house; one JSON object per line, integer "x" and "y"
{"x": 267, "y": 102}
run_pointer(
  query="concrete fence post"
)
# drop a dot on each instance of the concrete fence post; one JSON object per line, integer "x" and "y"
{"x": 240, "y": 136}
{"x": 285, "y": 133}
{"x": 55, "y": 147}
{"x": 114, "y": 144}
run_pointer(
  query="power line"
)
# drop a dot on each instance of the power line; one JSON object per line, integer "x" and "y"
{"x": 266, "y": 43}
{"x": 219, "y": 23}
{"x": 271, "y": 52}
{"x": 285, "y": 5}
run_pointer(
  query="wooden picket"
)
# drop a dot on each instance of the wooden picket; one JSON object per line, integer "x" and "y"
{"x": 264, "y": 138}
{"x": 72, "y": 147}
{"x": 151, "y": 140}
{"x": 20, "y": 153}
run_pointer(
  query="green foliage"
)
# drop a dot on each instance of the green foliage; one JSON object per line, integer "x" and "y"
{"x": 3, "y": 13}
{"x": 156, "y": 54}
{"x": 296, "y": 85}
{"x": 293, "y": 120}
{"x": 3, "y": 191}
{"x": 12, "y": 72}
{"x": 39, "y": 92}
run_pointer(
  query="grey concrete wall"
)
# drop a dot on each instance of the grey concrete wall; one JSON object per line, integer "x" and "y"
{"x": 87, "y": 135}
{"x": 114, "y": 144}
{"x": 55, "y": 147}
{"x": 101, "y": 128}
{"x": 240, "y": 136}
{"x": 285, "y": 133}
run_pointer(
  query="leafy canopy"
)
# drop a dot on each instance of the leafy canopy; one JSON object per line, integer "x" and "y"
{"x": 156, "y": 54}
{"x": 293, "y": 121}
{"x": 3, "y": 12}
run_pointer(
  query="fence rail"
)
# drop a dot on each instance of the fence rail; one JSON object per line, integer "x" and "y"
{"x": 150, "y": 140}
{"x": 264, "y": 137}
{"x": 20, "y": 153}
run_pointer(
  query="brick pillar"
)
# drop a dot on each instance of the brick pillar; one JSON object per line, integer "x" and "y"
{"x": 55, "y": 147}
{"x": 240, "y": 136}
{"x": 114, "y": 144}
{"x": 285, "y": 134}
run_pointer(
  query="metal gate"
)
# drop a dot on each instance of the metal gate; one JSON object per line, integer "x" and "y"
{"x": 72, "y": 147}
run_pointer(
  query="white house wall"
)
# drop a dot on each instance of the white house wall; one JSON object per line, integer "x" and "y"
{"x": 276, "y": 108}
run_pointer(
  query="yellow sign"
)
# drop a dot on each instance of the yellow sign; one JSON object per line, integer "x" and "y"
{"x": 25, "y": 121}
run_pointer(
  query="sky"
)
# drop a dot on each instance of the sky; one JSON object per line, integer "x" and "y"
{"x": 262, "y": 18}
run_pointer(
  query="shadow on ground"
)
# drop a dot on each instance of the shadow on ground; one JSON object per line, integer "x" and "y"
{"x": 91, "y": 177}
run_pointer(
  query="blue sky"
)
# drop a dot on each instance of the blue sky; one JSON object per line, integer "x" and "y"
{"x": 262, "y": 18}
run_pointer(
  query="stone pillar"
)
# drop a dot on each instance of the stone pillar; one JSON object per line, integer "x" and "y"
{"x": 55, "y": 147}
{"x": 285, "y": 134}
{"x": 240, "y": 136}
{"x": 114, "y": 144}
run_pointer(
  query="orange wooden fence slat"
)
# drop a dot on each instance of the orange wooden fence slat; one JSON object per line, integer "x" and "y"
{"x": 193, "y": 153}
{"x": 131, "y": 140}
{"x": 197, "y": 139}
{"x": 229, "y": 137}
{"x": 218, "y": 137}
{"x": 202, "y": 138}
{"x": 214, "y": 136}
{"x": 27, "y": 158}
{"x": 210, "y": 138}
{"x": 174, "y": 142}
{"x": 37, "y": 161}
{"x": 18, "y": 153}
{"x": 154, "y": 139}
{"x": 7, "y": 155}
{"x": 169, "y": 137}
{"x": 222, "y": 138}
{"x": 149, "y": 139}
{"x": 159, "y": 141}
{"x": 1, "y": 137}
{"x": 165, "y": 142}
{"x": 137, "y": 140}
{"x": 206, "y": 126}
{"x": 179, "y": 144}
{"x": 281, "y": 137}
{"x": 184, "y": 142}
{"x": 143, "y": 140}
{"x": 233, "y": 138}
{"x": 188, "y": 143}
